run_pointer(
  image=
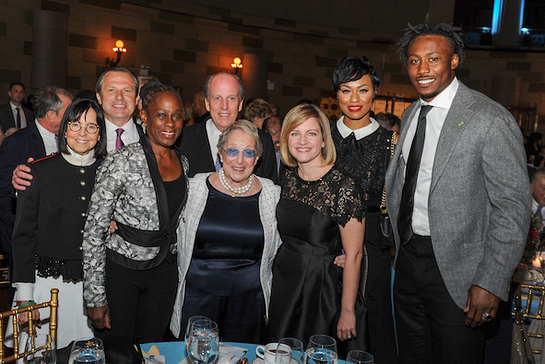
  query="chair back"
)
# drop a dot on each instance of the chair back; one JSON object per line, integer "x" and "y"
{"x": 526, "y": 297}
{"x": 52, "y": 304}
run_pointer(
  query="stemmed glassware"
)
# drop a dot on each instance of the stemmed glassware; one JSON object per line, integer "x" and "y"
{"x": 321, "y": 349}
{"x": 88, "y": 351}
{"x": 359, "y": 357}
{"x": 202, "y": 342}
{"x": 42, "y": 348}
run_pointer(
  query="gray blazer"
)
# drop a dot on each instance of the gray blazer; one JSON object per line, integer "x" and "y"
{"x": 479, "y": 202}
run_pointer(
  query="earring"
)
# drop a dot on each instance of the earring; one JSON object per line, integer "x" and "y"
{"x": 144, "y": 127}
{"x": 323, "y": 145}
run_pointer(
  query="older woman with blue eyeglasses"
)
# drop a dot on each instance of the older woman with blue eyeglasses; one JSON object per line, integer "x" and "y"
{"x": 227, "y": 241}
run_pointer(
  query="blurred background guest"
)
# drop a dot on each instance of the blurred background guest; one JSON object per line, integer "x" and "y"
{"x": 200, "y": 113}
{"x": 257, "y": 111}
{"x": 227, "y": 242}
{"x": 50, "y": 217}
{"x": 363, "y": 151}
{"x": 388, "y": 121}
{"x": 130, "y": 276}
{"x": 272, "y": 126}
{"x": 319, "y": 214}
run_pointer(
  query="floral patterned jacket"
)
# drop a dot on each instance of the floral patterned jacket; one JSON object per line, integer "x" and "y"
{"x": 128, "y": 189}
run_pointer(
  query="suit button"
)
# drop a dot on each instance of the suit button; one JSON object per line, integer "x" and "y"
{"x": 82, "y": 231}
{"x": 82, "y": 170}
{"x": 167, "y": 235}
{"x": 82, "y": 183}
{"x": 83, "y": 214}
{"x": 82, "y": 198}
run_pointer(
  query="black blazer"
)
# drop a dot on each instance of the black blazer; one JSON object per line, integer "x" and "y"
{"x": 8, "y": 121}
{"x": 15, "y": 150}
{"x": 194, "y": 144}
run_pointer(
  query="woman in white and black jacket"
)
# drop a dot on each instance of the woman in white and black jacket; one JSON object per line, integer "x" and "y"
{"x": 51, "y": 212}
{"x": 130, "y": 276}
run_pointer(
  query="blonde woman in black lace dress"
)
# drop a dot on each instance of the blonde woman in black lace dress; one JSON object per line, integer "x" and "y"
{"x": 319, "y": 214}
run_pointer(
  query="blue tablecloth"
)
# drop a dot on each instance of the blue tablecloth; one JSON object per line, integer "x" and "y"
{"x": 174, "y": 352}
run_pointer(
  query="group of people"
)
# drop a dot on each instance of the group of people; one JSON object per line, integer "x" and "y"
{"x": 175, "y": 222}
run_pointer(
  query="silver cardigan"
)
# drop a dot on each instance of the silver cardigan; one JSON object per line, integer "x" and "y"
{"x": 187, "y": 230}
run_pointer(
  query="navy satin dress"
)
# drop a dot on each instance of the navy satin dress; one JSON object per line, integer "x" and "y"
{"x": 223, "y": 280}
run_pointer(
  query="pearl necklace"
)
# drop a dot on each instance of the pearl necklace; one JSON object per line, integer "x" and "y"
{"x": 235, "y": 190}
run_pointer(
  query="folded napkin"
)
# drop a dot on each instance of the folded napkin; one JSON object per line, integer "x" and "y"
{"x": 229, "y": 354}
{"x": 153, "y": 356}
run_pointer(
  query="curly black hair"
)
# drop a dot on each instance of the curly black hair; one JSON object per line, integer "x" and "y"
{"x": 151, "y": 90}
{"x": 352, "y": 69}
{"x": 446, "y": 30}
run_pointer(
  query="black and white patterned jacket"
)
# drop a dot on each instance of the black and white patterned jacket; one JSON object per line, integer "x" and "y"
{"x": 129, "y": 190}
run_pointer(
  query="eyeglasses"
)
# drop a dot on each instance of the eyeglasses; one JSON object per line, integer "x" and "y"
{"x": 248, "y": 153}
{"x": 75, "y": 126}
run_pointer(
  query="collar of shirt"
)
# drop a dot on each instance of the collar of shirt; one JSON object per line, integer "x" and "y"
{"x": 358, "y": 133}
{"x": 48, "y": 138}
{"x": 213, "y": 136}
{"x": 78, "y": 159}
{"x": 534, "y": 208}
{"x": 130, "y": 135}
{"x": 21, "y": 113}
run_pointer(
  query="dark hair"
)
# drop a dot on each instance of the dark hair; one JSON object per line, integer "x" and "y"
{"x": 443, "y": 29}
{"x": 387, "y": 120}
{"x": 74, "y": 113}
{"x": 86, "y": 94}
{"x": 47, "y": 98}
{"x": 210, "y": 77}
{"x": 536, "y": 173}
{"x": 100, "y": 81}
{"x": 352, "y": 69}
{"x": 151, "y": 90}
{"x": 16, "y": 84}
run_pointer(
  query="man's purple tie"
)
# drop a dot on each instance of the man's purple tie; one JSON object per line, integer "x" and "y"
{"x": 118, "y": 142}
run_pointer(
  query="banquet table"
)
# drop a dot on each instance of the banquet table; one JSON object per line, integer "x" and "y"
{"x": 174, "y": 351}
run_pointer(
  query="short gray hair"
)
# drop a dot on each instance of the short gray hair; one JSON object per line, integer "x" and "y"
{"x": 47, "y": 98}
{"x": 246, "y": 127}
{"x": 210, "y": 77}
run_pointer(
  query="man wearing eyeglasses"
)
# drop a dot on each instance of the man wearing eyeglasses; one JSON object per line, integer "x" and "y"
{"x": 36, "y": 141}
{"x": 224, "y": 97}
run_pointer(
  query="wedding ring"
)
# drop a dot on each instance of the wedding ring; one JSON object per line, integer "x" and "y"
{"x": 486, "y": 316}
{"x": 349, "y": 336}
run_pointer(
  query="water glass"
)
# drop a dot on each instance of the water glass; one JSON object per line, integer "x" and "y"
{"x": 322, "y": 349}
{"x": 189, "y": 327}
{"x": 42, "y": 350}
{"x": 203, "y": 342}
{"x": 359, "y": 357}
{"x": 88, "y": 351}
{"x": 297, "y": 350}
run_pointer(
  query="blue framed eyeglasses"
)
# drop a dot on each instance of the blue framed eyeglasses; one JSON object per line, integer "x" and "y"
{"x": 248, "y": 153}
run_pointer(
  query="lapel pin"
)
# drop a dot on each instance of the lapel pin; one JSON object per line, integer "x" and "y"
{"x": 460, "y": 123}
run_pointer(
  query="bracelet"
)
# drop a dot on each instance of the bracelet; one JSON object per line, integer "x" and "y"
{"x": 29, "y": 303}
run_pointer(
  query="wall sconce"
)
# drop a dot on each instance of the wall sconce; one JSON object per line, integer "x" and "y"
{"x": 237, "y": 64}
{"x": 119, "y": 49}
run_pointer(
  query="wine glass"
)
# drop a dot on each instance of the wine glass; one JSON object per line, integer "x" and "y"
{"x": 321, "y": 349}
{"x": 203, "y": 342}
{"x": 88, "y": 351}
{"x": 189, "y": 328}
{"x": 42, "y": 350}
{"x": 297, "y": 350}
{"x": 359, "y": 357}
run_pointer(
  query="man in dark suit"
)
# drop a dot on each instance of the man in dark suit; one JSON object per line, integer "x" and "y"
{"x": 224, "y": 97}
{"x": 36, "y": 141}
{"x": 460, "y": 213}
{"x": 13, "y": 114}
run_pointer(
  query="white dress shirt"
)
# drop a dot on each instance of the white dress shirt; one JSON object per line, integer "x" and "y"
{"x": 360, "y": 133}
{"x": 129, "y": 136}
{"x": 213, "y": 136}
{"x": 21, "y": 113}
{"x": 49, "y": 139}
{"x": 434, "y": 123}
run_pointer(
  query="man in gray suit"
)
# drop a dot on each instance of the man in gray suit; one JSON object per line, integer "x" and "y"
{"x": 459, "y": 202}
